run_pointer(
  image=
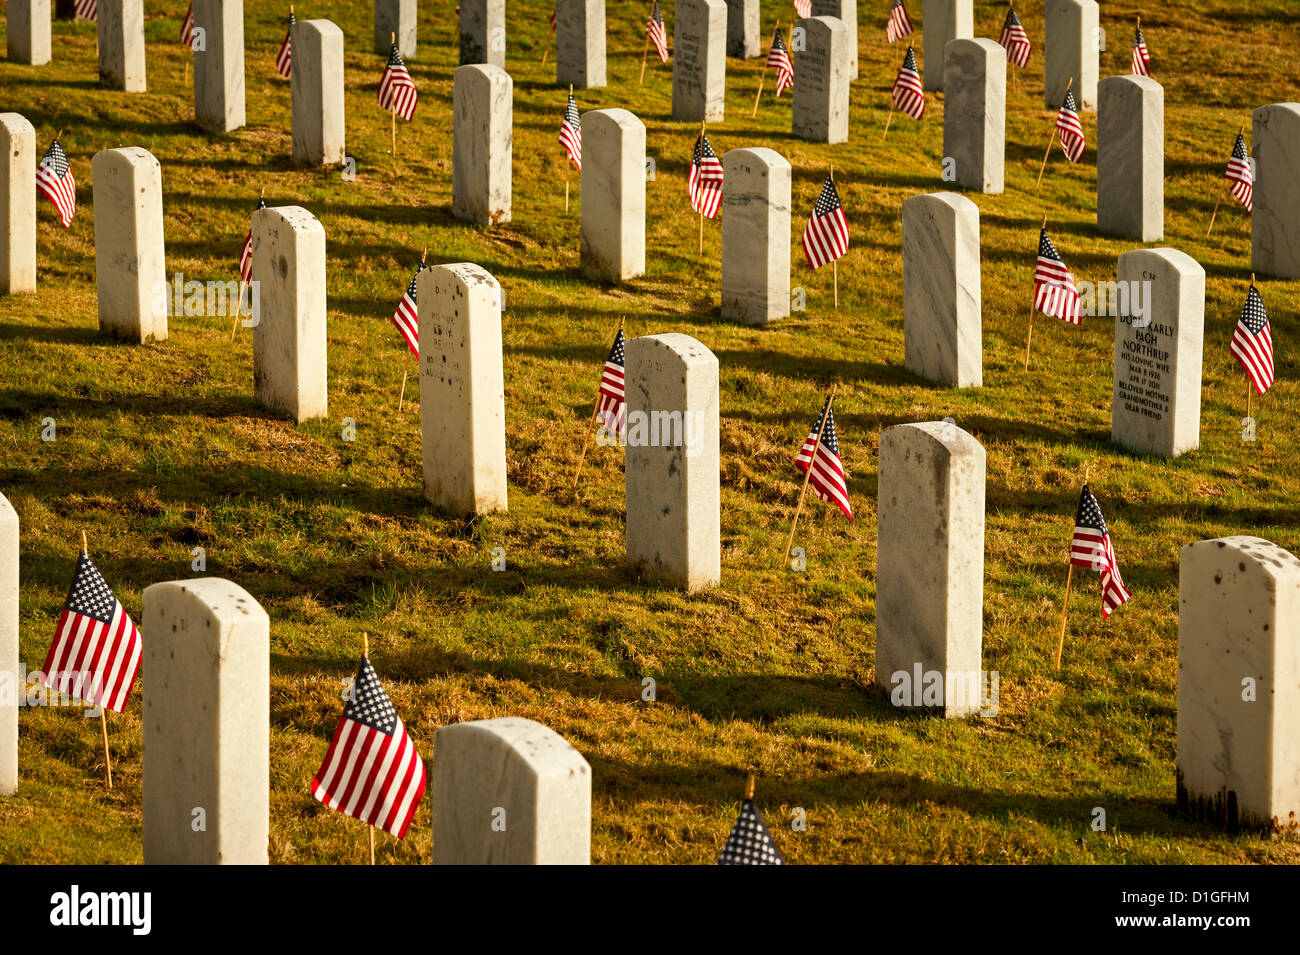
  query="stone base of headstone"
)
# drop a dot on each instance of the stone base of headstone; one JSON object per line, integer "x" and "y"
{"x": 130, "y": 265}
{"x": 1275, "y": 221}
{"x": 1156, "y": 396}
{"x": 755, "y": 235}
{"x": 207, "y": 724}
{"x": 509, "y": 791}
{"x": 1131, "y": 158}
{"x": 930, "y": 568}
{"x": 942, "y": 312}
{"x": 1238, "y": 763}
{"x": 17, "y": 204}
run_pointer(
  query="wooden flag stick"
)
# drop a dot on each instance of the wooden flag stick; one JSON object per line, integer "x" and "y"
{"x": 370, "y": 830}
{"x": 1223, "y": 191}
{"x": 547, "y": 49}
{"x": 806, "y": 476}
{"x": 1051, "y": 137}
{"x": 596, "y": 408}
{"x": 103, "y": 718}
{"x": 1065, "y": 609}
{"x": 644, "y": 53}
{"x": 234, "y": 326}
{"x": 749, "y": 788}
{"x": 761, "y": 77}
{"x": 890, "y": 118}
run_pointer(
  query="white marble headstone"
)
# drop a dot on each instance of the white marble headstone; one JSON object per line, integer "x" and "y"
{"x": 219, "y": 68}
{"x": 130, "y": 266}
{"x": 743, "y": 31}
{"x": 846, "y": 11}
{"x": 17, "y": 204}
{"x": 820, "y": 102}
{"x": 1275, "y": 222}
{"x": 28, "y": 26}
{"x": 317, "y": 93}
{"x": 975, "y": 113}
{"x": 121, "y": 44}
{"x": 755, "y": 235}
{"x": 483, "y": 32}
{"x": 396, "y": 21}
{"x": 942, "y": 312}
{"x": 1131, "y": 158}
{"x": 580, "y": 43}
{"x": 1071, "y": 49}
{"x": 482, "y": 143}
{"x": 613, "y": 195}
{"x": 699, "y": 60}
{"x": 943, "y": 21}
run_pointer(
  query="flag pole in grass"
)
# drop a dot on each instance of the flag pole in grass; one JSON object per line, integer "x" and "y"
{"x": 835, "y": 263}
{"x": 591, "y": 422}
{"x": 1029, "y": 337}
{"x": 402, "y": 397}
{"x": 1051, "y": 138}
{"x": 761, "y": 77}
{"x": 890, "y": 118}
{"x": 103, "y": 718}
{"x": 1065, "y": 604}
{"x": 1223, "y": 191}
{"x": 807, "y": 475}
{"x": 749, "y": 787}
{"x": 546, "y": 50}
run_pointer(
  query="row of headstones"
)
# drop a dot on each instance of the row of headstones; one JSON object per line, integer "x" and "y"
{"x": 513, "y": 791}
{"x": 1156, "y": 387}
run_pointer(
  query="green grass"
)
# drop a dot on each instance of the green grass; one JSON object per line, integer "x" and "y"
{"x": 161, "y": 448}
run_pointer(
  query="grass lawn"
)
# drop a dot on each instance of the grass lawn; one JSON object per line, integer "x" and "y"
{"x": 161, "y": 449}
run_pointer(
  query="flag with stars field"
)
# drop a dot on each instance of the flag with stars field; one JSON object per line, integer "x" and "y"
{"x": 705, "y": 178}
{"x": 908, "y": 95}
{"x": 396, "y": 88}
{"x": 246, "y": 255}
{"x": 571, "y": 132}
{"x": 1091, "y": 547}
{"x": 750, "y": 842}
{"x": 95, "y": 638}
{"x": 1054, "y": 290}
{"x": 611, "y": 409}
{"x": 778, "y": 58}
{"x": 1239, "y": 175}
{"x": 1015, "y": 40}
{"x": 1069, "y": 129}
{"x": 827, "y": 476}
{"x": 407, "y": 316}
{"x": 657, "y": 34}
{"x": 1141, "y": 56}
{"x": 1252, "y": 342}
{"x": 284, "y": 59}
{"x": 899, "y": 25}
{"x": 55, "y": 181}
{"x": 372, "y": 771}
{"x": 826, "y": 237}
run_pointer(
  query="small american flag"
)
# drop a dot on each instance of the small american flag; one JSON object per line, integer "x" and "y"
{"x": 908, "y": 95}
{"x": 1141, "y": 56}
{"x": 1054, "y": 290}
{"x": 803, "y": 8}
{"x": 246, "y": 254}
{"x": 1015, "y": 40}
{"x": 899, "y": 25}
{"x": 396, "y": 89}
{"x": 407, "y": 316}
{"x": 654, "y": 29}
{"x": 826, "y": 237}
{"x": 1239, "y": 174}
{"x": 55, "y": 180}
{"x": 750, "y": 842}
{"x": 571, "y": 132}
{"x": 1252, "y": 342}
{"x": 827, "y": 477}
{"x": 86, "y": 10}
{"x": 284, "y": 59}
{"x": 705, "y": 178}
{"x": 96, "y": 637}
{"x": 187, "y": 27}
{"x": 1090, "y": 547}
{"x": 1069, "y": 129}
{"x": 371, "y": 771}
{"x": 610, "y": 406}
{"x": 778, "y": 58}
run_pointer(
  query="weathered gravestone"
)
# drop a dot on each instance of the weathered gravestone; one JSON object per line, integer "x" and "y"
{"x": 509, "y": 791}
{"x": 1072, "y": 38}
{"x": 756, "y": 187}
{"x": 1156, "y": 398}
{"x": 975, "y": 114}
{"x": 317, "y": 93}
{"x": 11, "y": 683}
{"x": 219, "y": 67}
{"x": 846, "y": 11}
{"x": 1131, "y": 158}
{"x": 699, "y": 60}
{"x": 580, "y": 42}
{"x": 671, "y": 463}
{"x": 462, "y": 389}
{"x": 482, "y": 143}
{"x": 396, "y": 18}
{"x": 289, "y": 337}
{"x": 743, "y": 40}
{"x": 1238, "y": 693}
{"x": 483, "y": 32}
{"x": 613, "y": 195}
{"x": 28, "y": 26}
{"x": 820, "y": 107}
{"x": 121, "y": 44}
{"x": 207, "y": 724}
{"x": 1275, "y": 222}
{"x": 17, "y": 204}
{"x": 930, "y": 567}
{"x": 942, "y": 316}
{"x": 130, "y": 267}
{"x": 943, "y": 21}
